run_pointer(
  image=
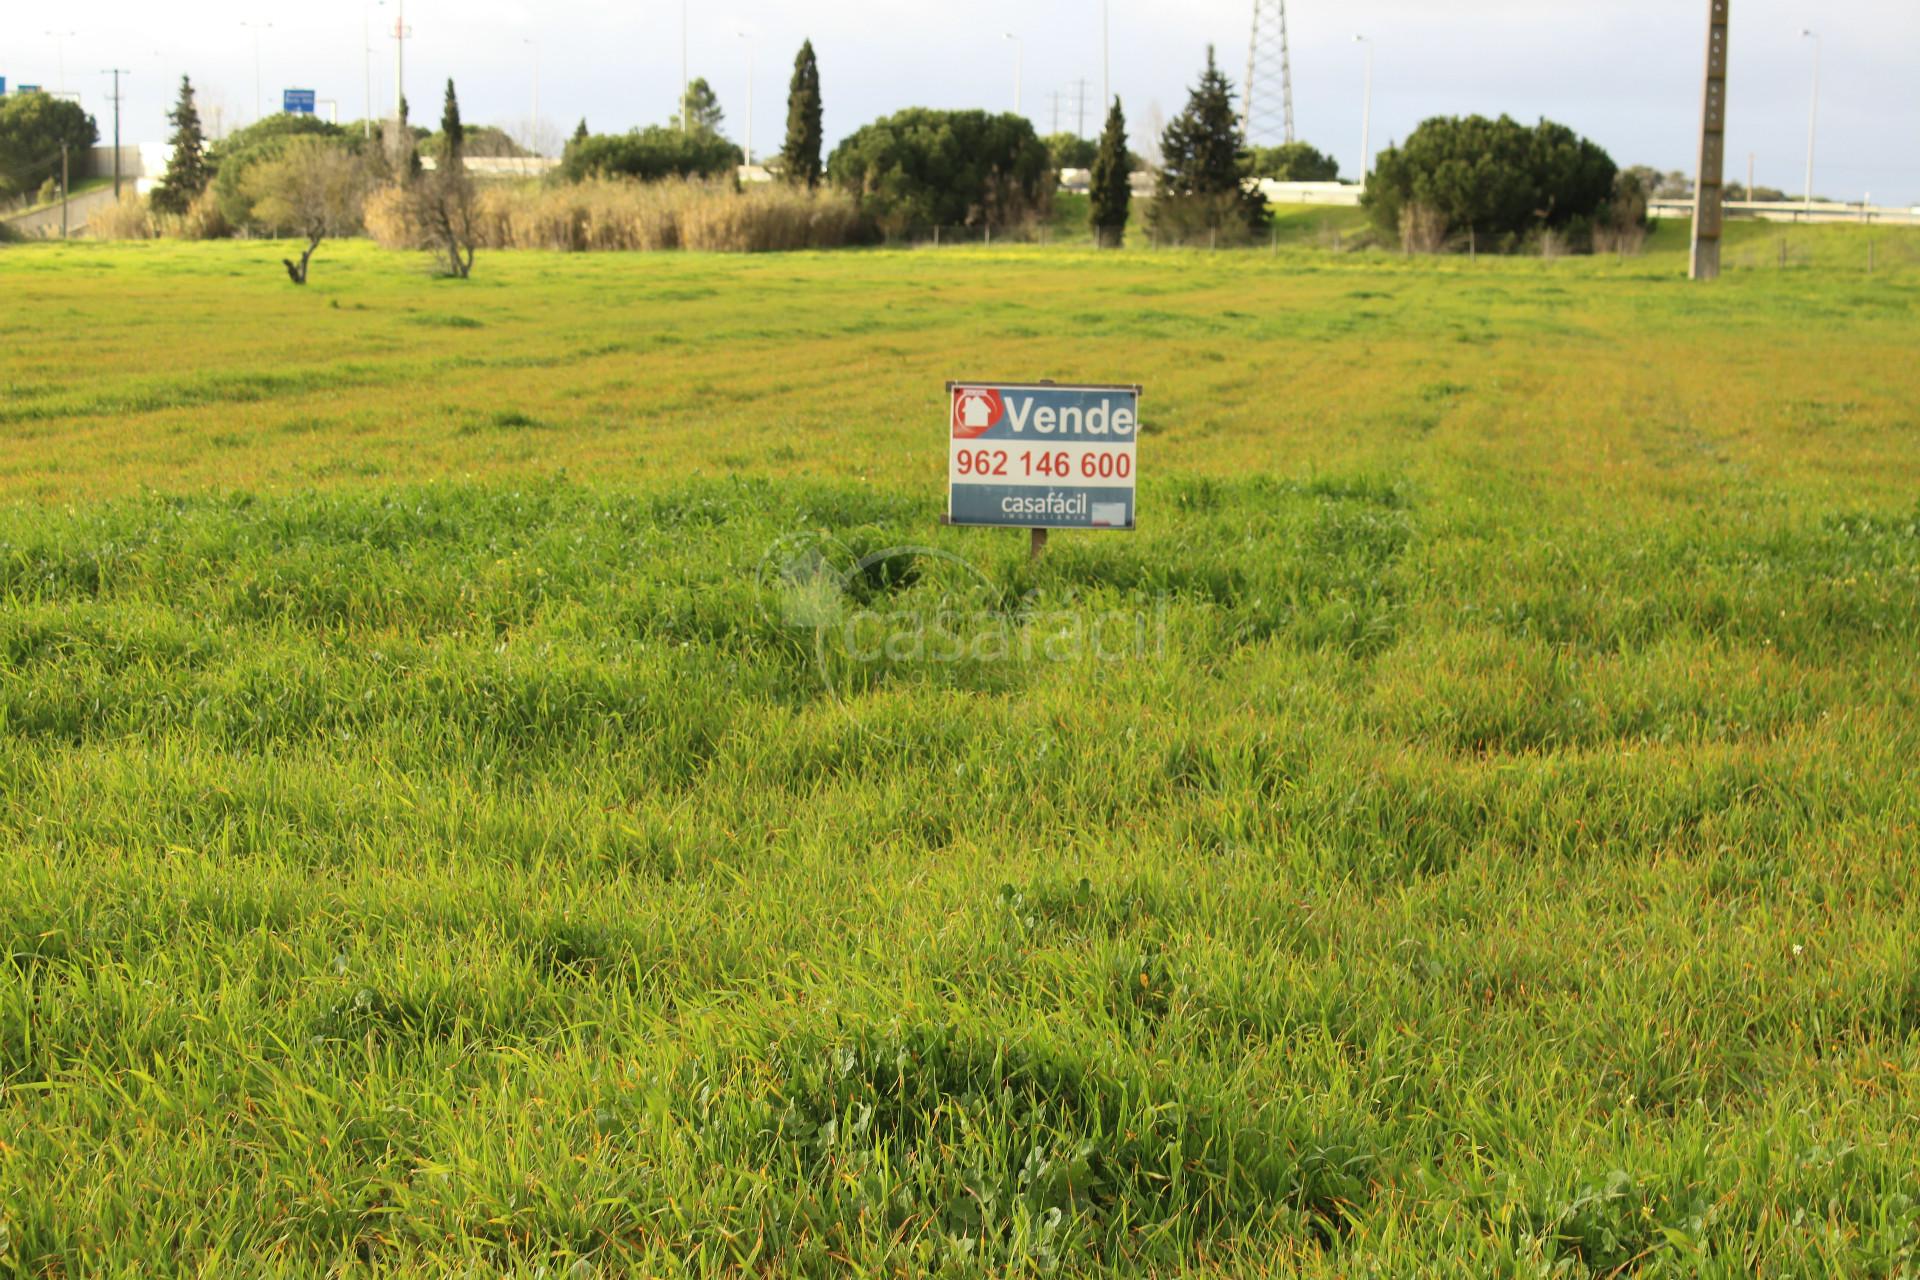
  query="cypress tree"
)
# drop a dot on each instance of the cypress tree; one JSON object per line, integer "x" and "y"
{"x": 453, "y": 134}
{"x": 444, "y": 202}
{"x": 580, "y": 134}
{"x": 800, "y": 154}
{"x": 187, "y": 171}
{"x": 403, "y": 157}
{"x": 1110, "y": 190}
{"x": 1205, "y": 162}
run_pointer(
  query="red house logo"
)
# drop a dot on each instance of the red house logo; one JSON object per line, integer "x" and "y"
{"x": 976, "y": 411}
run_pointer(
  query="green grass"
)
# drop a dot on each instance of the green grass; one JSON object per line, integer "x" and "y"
{"x": 1294, "y": 225}
{"x": 430, "y": 842}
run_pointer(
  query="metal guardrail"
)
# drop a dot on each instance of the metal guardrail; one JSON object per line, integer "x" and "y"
{"x": 1796, "y": 211}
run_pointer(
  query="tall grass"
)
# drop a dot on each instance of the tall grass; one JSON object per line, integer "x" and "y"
{"x": 204, "y": 219}
{"x": 134, "y": 218}
{"x": 129, "y": 218}
{"x": 603, "y": 214}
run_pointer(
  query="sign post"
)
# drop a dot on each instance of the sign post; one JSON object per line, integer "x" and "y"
{"x": 297, "y": 101}
{"x": 1041, "y": 456}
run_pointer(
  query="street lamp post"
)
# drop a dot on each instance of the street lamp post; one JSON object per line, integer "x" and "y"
{"x": 366, "y": 52}
{"x": 1106, "y": 61}
{"x": 400, "y": 34}
{"x": 749, "y": 39}
{"x": 60, "y": 39}
{"x": 1813, "y": 114}
{"x": 533, "y": 138}
{"x": 256, "y": 28}
{"x": 116, "y": 73}
{"x": 1366, "y": 116}
{"x": 1019, "y": 68}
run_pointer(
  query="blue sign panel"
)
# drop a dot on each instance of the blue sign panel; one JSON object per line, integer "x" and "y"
{"x": 3, "y": 86}
{"x": 297, "y": 101}
{"x": 1039, "y": 456}
{"x": 28, "y": 88}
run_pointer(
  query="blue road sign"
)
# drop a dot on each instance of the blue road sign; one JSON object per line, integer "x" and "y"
{"x": 297, "y": 101}
{"x": 1039, "y": 456}
{"x": 28, "y": 88}
{"x": 3, "y": 86}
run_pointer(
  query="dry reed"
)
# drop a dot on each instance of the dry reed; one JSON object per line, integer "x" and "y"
{"x": 127, "y": 219}
{"x": 643, "y": 217}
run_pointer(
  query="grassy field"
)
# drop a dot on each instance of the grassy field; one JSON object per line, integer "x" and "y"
{"x": 444, "y": 828}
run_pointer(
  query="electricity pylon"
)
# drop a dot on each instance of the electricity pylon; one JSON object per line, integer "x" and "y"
{"x": 1267, "y": 96}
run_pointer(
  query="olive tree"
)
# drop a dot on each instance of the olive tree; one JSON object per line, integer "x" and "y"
{"x": 313, "y": 189}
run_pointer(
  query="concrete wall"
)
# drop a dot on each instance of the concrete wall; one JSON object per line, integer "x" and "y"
{"x": 1339, "y": 193}
{"x": 501, "y": 166}
{"x": 1336, "y": 193}
{"x": 1140, "y": 183}
{"x": 98, "y": 163}
{"x": 141, "y": 164}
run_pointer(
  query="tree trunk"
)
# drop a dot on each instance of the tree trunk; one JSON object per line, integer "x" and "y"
{"x": 461, "y": 267}
{"x": 297, "y": 272}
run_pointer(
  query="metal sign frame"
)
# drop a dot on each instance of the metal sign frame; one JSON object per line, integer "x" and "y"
{"x": 1082, "y": 479}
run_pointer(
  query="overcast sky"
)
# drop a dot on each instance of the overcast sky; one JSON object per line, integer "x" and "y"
{"x": 1624, "y": 72}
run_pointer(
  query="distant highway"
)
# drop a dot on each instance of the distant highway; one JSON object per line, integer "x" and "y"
{"x": 1795, "y": 211}
{"x": 45, "y": 223}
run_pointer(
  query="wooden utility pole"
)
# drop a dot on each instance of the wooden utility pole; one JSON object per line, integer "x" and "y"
{"x": 116, "y": 73}
{"x": 1709, "y": 189}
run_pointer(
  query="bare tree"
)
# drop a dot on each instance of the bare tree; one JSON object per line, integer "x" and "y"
{"x": 313, "y": 189}
{"x": 445, "y": 204}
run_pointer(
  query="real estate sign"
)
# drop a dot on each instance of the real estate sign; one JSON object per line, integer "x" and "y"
{"x": 1033, "y": 455}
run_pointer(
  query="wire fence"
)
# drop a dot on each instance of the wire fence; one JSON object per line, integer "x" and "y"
{"x": 1834, "y": 249}
{"x": 1335, "y": 238}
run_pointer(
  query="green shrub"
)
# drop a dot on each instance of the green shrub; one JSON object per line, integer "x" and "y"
{"x": 649, "y": 154}
{"x": 1505, "y": 183}
{"x": 1295, "y": 162}
{"x": 236, "y": 155}
{"x": 1070, "y": 151}
{"x": 33, "y": 127}
{"x": 924, "y": 168}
